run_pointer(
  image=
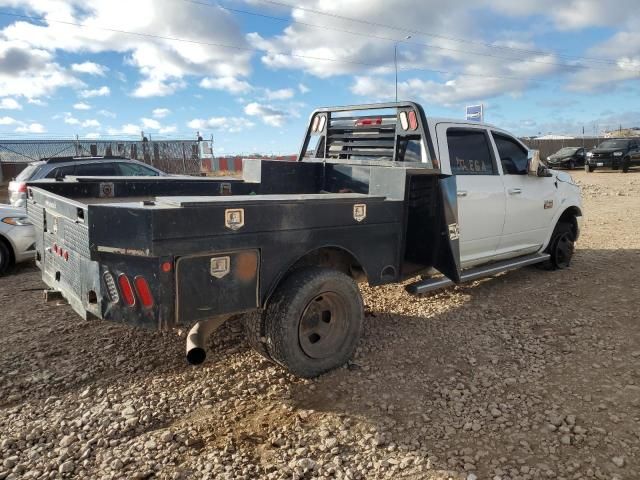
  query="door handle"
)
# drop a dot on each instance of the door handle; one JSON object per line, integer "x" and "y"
{"x": 515, "y": 191}
{"x": 462, "y": 193}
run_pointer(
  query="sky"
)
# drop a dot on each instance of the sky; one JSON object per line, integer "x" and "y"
{"x": 250, "y": 72}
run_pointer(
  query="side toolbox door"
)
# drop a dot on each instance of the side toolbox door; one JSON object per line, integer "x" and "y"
{"x": 466, "y": 150}
{"x": 531, "y": 201}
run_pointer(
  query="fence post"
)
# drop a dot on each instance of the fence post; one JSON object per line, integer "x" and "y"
{"x": 184, "y": 160}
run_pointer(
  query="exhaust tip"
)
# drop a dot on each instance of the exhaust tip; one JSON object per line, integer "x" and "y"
{"x": 196, "y": 356}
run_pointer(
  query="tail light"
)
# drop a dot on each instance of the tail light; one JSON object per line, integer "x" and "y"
{"x": 404, "y": 121}
{"x": 318, "y": 124}
{"x": 20, "y": 187}
{"x": 110, "y": 282}
{"x": 413, "y": 120}
{"x": 127, "y": 291}
{"x": 144, "y": 292}
{"x": 363, "y": 122}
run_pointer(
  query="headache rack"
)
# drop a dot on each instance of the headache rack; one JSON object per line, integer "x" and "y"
{"x": 384, "y": 132}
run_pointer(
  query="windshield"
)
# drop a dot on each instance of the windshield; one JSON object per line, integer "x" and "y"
{"x": 567, "y": 150}
{"x": 28, "y": 172}
{"x": 614, "y": 144}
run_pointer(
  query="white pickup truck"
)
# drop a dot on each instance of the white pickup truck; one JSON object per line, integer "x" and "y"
{"x": 380, "y": 193}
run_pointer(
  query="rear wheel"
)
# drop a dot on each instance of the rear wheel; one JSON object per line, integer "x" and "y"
{"x": 5, "y": 258}
{"x": 561, "y": 247}
{"x": 572, "y": 164}
{"x": 314, "y": 321}
{"x": 589, "y": 168}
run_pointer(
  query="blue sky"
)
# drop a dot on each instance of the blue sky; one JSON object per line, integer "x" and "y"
{"x": 250, "y": 72}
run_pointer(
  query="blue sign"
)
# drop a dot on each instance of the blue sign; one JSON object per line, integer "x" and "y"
{"x": 475, "y": 113}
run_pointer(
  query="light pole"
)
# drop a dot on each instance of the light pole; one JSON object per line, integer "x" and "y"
{"x": 395, "y": 59}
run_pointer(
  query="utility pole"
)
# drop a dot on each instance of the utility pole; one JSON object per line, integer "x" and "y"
{"x": 395, "y": 59}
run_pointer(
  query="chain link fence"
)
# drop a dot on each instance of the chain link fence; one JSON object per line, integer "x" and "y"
{"x": 171, "y": 156}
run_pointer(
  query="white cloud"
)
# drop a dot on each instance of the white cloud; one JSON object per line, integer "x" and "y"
{"x": 160, "y": 112}
{"x": 82, "y": 106}
{"x": 106, "y": 113}
{"x": 92, "y": 123}
{"x": 90, "y": 68}
{"x": 303, "y": 88}
{"x": 30, "y": 72}
{"x": 227, "y": 124}
{"x": 268, "y": 114}
{"x": 92, "y": 135}
{"x": 282, "y": 94}
{"x": 150, "y": 123}
{"x": 69, "y": 119}
{"x": 126, "y": 129}
{"x": 163, "y": 63}
{"x": 9, "y": 104}
{"x": 31, "y": 128}
{"x": 96, "y": 92}
{"x": 229, "y": 84}
{"x": 7, "y": 121}
{"x": 168, "y": 129}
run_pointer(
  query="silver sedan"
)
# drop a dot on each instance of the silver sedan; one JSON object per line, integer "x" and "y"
{"x": 17, "y": 237}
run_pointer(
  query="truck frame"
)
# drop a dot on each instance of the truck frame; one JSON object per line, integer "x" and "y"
{"x": 284, "y": 245}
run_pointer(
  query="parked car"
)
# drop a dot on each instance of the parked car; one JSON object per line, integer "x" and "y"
{"x": 567, "y": 157}
{"x": 60, "y": 167}
{"x": 379, "y": 193}
{"x": 17, "y": 237}
{"x": 614, "y": 153}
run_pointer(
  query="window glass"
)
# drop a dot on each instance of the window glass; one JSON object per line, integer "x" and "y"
{"x": 28, "y": 172}
{"x": 96, "y": 170}
{"x": 61, "y": 172}
{"x": 136, "y": 170}
{"x": 412, "y": 149}
{"x": 514, "y": 158}
{"x": 469, "y": 152}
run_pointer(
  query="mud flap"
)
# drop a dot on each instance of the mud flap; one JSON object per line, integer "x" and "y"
{"x": 447, "y": 260}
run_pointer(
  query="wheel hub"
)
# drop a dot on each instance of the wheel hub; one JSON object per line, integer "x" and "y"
{"x": 323, "y": 325}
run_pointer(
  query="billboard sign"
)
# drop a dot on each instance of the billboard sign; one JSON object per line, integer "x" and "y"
{"x": 475, "y": 113}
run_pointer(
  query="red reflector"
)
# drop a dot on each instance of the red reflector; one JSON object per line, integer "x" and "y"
{"x": 55, "y": 248}
{"x": 368, "y": 121}
{"x": 22, "y": 187}
{"x": 127, "y": 291}
{"x": 144, "y": 292}
{"x": 166, "y": 267}
{"x": 413, "y": 120}
{"x": 65, "y": 255}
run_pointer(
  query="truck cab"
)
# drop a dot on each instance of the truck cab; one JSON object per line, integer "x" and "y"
{"x": 504, "y": 211}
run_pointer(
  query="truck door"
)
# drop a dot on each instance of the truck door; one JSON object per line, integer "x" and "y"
{"x": 531, "y": 201}
{"x": 467, "y": 150}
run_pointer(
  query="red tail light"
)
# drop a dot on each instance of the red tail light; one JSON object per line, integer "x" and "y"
{"x": 144, "y": 292}
{"x": 368, "y": 121}
{"x": 413, "y": 120}
{"x": 127, "y": 291}
{"x": 20, "y": 187}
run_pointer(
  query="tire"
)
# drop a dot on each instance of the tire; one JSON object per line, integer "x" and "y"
{"x": 6, "y": 259}
{"x": 626, "y": 162}
{"x": 254, "y": 330}
{"x": 589, "y": 168}
{"x": 572, "y": 164}
{"x": 314, "y": 321}
{"x": 561, "y": 247}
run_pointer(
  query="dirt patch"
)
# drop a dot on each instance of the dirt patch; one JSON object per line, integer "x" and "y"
{"x": 528, "y": 375}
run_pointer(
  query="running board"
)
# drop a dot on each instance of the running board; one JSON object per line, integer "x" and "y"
{"x": 432, "y": 284}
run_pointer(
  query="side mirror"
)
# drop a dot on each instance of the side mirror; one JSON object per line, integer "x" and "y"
{"x": 535, "y": 167}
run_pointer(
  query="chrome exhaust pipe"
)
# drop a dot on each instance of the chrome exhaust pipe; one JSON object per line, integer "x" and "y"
{"x": 198, "y": 336}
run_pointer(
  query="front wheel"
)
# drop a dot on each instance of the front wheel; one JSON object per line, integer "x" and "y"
{"x": 589, "y": 168}
{"x": 5, "y": 258}
{"x": 314, "y": 321}
{"x": 561, "y": 247}
{"x": 626, "y": 163}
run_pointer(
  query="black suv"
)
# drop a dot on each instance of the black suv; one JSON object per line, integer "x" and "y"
{"x": 567, "y": 157}
{"x": 615, "y": 153}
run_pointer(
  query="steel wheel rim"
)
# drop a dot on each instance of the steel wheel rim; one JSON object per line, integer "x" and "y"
{"x": 564, "y": 250}
{"x": 323, "y": 326}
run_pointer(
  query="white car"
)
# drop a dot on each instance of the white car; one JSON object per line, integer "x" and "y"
{"x": 17, "y": 237}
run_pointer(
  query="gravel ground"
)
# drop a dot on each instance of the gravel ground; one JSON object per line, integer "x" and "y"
{"x": 529, "y": 375}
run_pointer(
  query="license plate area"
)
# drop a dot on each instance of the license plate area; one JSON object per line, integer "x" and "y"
{"x": 600, "y": 164}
